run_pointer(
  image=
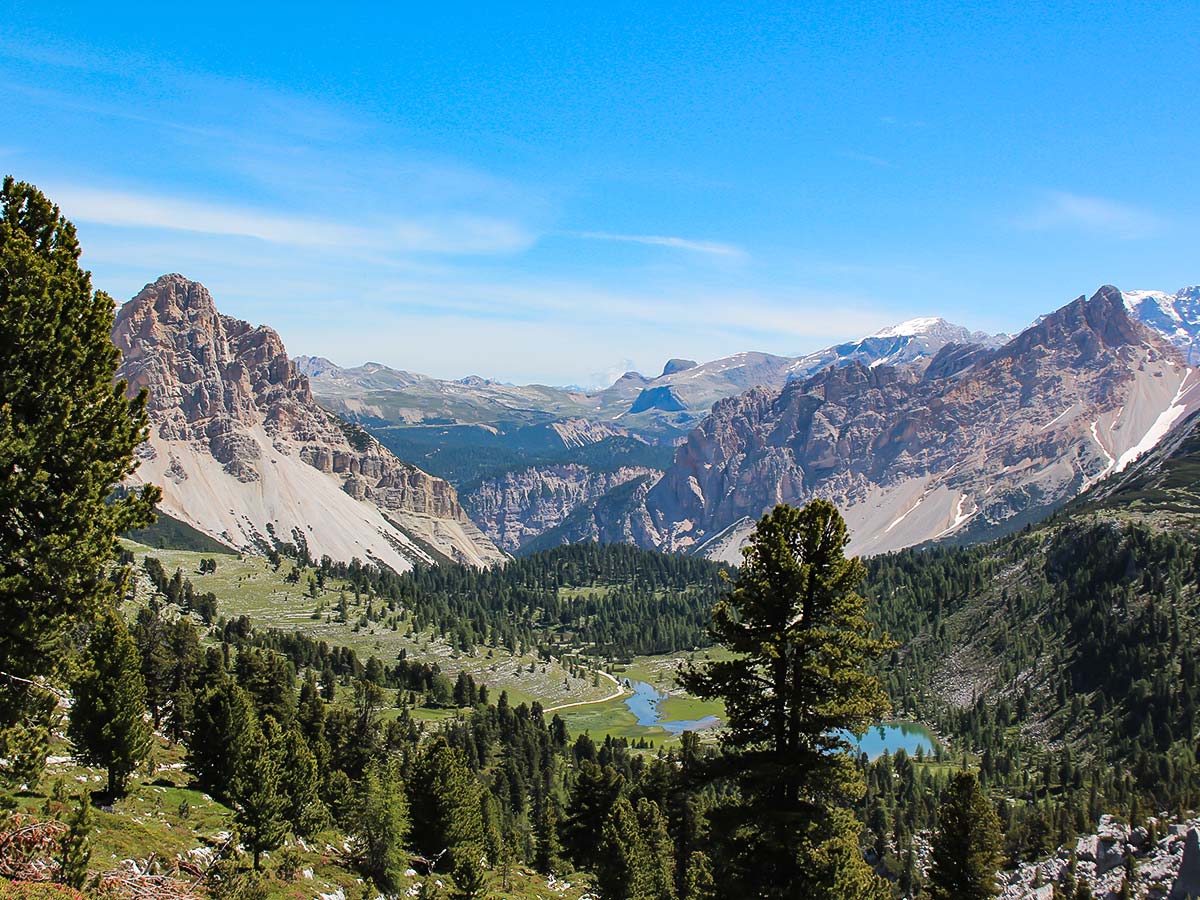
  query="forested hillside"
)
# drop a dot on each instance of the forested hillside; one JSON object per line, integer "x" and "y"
{"x": 1063, "y": 656}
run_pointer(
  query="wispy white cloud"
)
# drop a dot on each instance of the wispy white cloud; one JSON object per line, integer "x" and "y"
{"x": 448, "y": 234}
{"x": 1063, "y": 209}
{"x": 878, "y": 161}
{"x": 712, "y": 248}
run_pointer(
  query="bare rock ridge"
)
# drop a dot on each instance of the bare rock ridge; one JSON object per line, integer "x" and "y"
{"x": 515, "y": 507}
{"x": 979, "y": 441}
{"x": 243, "y": 451}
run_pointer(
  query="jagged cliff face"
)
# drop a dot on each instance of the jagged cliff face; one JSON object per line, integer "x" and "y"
{"x": 516, "y": 507}
{"x": 981, "y": 441}
{"x": 241, "y": 449}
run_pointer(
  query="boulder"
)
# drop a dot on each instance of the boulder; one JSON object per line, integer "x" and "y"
{"x": 1187, "y": 882}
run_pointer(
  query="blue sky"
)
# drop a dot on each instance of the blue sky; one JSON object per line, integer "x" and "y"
{"x": 553, "y": 193}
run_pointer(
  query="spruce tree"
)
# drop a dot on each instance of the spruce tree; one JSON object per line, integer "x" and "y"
{"x": 300, "y": 783}
{"x": 67, "y": 436}
{"x": 621, "y": 855}
{"x": 698, "y": 879}
{"x": 222, "y": 736}
{"x": 595, "y": 791}
{"x": 108, "y": 718}
{"x": 967, "y": 845}
{"x": 658, "y": 862}
{"x": 545, "y": 833}
{"x": 797, "y": 682}
{"x": 470, "y": 877}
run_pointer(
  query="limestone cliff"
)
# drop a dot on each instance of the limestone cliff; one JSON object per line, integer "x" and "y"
{"x": 242, "y": 450}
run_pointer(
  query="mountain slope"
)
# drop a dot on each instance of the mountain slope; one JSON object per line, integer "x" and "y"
{"x": 979, "y": 442}
{"x": 243, "y": 452}
{"x": 514, "y": 507}
{"x": 659, "y": 407}
{"x": 1079, "y": 631}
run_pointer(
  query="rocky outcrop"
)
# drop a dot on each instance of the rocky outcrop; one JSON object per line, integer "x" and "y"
{"x": 242, "y": 449}
{"x": 1168, "y": 868}
{"x": 516, "y": 507}
{"x": 979, "y": 442}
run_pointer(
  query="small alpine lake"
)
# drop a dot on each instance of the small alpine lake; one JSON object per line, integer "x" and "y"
{"x": 653, "y": 709}
{"x": 891, "y": 737}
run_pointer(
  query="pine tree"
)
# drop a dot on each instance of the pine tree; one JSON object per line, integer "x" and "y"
{"x": 545, "y": 834}
{"x": 797, "y": 682}
{"x": 620, "y": 855}
{"x": 967, "y": 846}
{"x": 222, "y": 736}
{"x": 698, "y": 880}
{"x": 445, "y": 803}
{"x": 75, "y": 848}
{"x": 67, "y": 437}
{"x": 107, "y": 720}
{"x": 381, "y": 824}
{"x": 300, "y": 783}
{"x": 470, "y": 877}
{"x": 259, "y": 804}
{"x": 595, "y": 791}
{"x": 658, "y": 861}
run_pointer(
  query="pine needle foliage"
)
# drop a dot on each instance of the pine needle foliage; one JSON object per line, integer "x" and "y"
{"x": 798, "y": 683}
{"x": 67, "y": 439}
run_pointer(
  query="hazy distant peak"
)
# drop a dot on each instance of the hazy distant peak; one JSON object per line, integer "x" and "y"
{"x": 911, "y": 327}
{"x": 678, "y": 365}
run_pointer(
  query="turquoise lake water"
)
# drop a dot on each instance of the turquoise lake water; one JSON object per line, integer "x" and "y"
{"x": 910, "y": 737}
{"x": 643, "y": 703}
{"x": 891, "y": 737}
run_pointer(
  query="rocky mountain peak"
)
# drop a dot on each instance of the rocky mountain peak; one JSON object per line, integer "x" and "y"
{"x": 242, "y": 449}
{"x": 1089, "y": 325}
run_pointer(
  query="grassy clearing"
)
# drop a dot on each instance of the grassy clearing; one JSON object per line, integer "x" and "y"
{"x": 611, "y": 718}
{"x": 248, "y": 585}
{"x": 682, "y": 707}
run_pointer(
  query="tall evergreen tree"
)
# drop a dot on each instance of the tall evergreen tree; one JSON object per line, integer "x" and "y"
{"x": 259, "y": 803}
{"x": 300, "y": 783}
{"x": 621, "y": 856}
{"x": 546, "y": 848}
{"x": 445, "y": 803}
{"x": 67, "y": 436}
{"x": 658, "y": 862}
{"x": 596, "y": 790}
{"x": 798, "y": 681}
{"x": 381, "y": 824}
{"x": 967, "y": 845}
{"x": 222, "y": 736}
{"x": 107, "y": 721}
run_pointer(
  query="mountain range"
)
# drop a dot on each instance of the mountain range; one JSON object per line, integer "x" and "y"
{"x": 923, "y": 431}
{"x": 974, "y": 443}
